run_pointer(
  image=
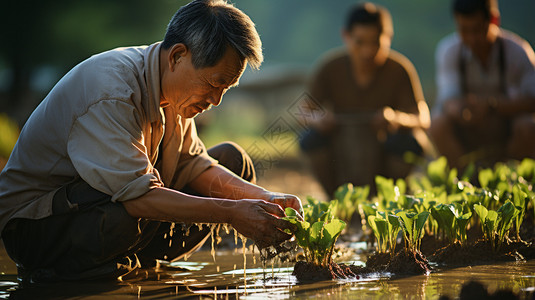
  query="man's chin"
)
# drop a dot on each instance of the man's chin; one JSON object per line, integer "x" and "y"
{"x": 190, "y": 112}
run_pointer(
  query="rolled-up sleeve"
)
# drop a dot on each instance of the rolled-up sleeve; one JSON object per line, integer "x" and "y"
{"x": 106, "y": 148}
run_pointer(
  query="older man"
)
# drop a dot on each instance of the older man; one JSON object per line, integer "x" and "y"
{"x": 111, "y": 156}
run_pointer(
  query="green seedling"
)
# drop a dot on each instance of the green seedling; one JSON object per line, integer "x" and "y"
{"x": 506, "y": 214}
{"x": 452, "y": 220}
{"x": 412, "y": 225}
{"x": 391, "y": 196}
{"x": 318, "y": 232}
{"x": 439, "y": 178}
{"x": 386, "y": 192}
{"x": 489, "y": 222}
{"x": 366, "y": 210}
{"x": 316, "y": 210}
{"x": 496, "y": 223}
{"x": 526, "y": 170}
{"x": 385, "y": 228}
{"x": 462, "y": 216}
{"x": 440, "y": 175}
{"x": 349, "y": 198}
{"x": 443, "y": 214}
{"x": 520, "y": 201}
{"x": 498, "y": 181}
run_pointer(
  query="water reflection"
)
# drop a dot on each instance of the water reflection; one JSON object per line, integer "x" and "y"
{"x": 201, "y": 277}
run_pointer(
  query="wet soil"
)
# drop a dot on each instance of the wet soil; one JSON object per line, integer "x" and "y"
{"x": 408, "y": 263}
{"x": 402, "y": 263}
{"x": 378, "y": 261}
{"x": 430, "y": 245}
{"x": 482, "y": 252}
{"x": 309, "y": 272}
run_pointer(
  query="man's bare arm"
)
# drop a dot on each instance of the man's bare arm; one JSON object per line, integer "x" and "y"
{"x": 256, "y": 219}
{"x": 217, "y": 181}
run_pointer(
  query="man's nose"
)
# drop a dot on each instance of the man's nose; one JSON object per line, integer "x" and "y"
{"x": 216, "y": 97}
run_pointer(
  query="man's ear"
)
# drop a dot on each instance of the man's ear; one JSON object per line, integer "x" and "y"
{"x": 176, "y": 54}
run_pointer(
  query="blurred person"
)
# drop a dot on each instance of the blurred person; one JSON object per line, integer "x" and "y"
{"x": 372, "y": 101}
{"x": 111, "y": 157}
{"x": 486, "y": 89}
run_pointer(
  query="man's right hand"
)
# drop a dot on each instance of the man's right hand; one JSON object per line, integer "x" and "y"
{"x": 261, "y": 221}
{"x": 470, "y": 110}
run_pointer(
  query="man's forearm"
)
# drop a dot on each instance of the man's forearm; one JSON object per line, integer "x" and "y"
{"x": 217, "y": 181}
{"x": 404, "y": 119}
{"x": 170, "y": 205}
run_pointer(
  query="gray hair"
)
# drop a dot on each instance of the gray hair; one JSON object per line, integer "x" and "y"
{"x": 208, "y": 27}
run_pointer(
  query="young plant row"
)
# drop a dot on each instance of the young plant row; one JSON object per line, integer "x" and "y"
{"x": 441, "y": 204}
{"x": 448, "y": 203}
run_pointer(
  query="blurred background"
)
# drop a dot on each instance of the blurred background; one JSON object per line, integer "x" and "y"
{"x": 41, "y": 40}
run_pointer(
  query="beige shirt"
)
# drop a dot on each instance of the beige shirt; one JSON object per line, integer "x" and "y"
{"x": 101, "y": 122}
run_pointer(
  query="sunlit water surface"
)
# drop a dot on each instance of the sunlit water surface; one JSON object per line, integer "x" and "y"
{"x": 201, "y": 278}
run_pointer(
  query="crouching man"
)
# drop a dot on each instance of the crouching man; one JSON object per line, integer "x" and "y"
{"x": 111, "y": 157}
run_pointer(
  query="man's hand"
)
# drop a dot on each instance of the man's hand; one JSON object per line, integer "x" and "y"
{"x": 470, "y": 110}
{"x": 260, "y": 221}
{"x": 385, "y": 121}
{"x": 285, "y": 200}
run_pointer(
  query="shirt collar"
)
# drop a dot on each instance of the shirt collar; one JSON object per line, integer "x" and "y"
{"x": 152, "y": 78}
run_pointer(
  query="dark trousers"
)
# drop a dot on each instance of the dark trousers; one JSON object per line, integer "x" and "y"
{"x": 90, "y": 237}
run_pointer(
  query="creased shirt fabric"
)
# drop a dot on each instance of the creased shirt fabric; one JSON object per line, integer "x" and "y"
{"x": 101, "y": 122}
{"x": 519, "y": 62}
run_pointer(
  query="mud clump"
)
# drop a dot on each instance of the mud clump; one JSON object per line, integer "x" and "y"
{"x": 402, "y": 263}
{"x": 378, "y": 261}
{"x": 307, "y": 272}
{"x": 483, "y": 252}
{"x": 408, "y": 263}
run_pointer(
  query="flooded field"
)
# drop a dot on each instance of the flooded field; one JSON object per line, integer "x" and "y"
{"x": 201, "y": 278}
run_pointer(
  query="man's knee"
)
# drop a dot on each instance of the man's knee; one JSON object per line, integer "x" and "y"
{"x": 233, "y": 157}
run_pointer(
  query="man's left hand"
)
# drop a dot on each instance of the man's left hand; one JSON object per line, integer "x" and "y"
{"x": 285, "y": 200}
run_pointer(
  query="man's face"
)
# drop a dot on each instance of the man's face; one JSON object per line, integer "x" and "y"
{"x": 473, "y": 30}
{"x": 192, "y": 91}
{"x": 366, "y": 45}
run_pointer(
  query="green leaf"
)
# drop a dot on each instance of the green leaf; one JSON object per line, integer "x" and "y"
{"x": 481, "y": 211}
{"x": 402, "y": 186}
{"x": 290, "y": 212}
{"x": 445, "y": 218}
{"x": 437, "y": 171}
{"x": 485, "y": 176}
{"x": 406, "y": 221}
{"x": 315, "y": 234}
{"x": 506, "y": 213}
{"x": 331, "y": 231}
{"x": 420, "y": 222}
{"x": 343, "y": 193}
{"x": 526, "y": 169}
{"x": 368, "y": 209}
{"x": 302, "y": 234}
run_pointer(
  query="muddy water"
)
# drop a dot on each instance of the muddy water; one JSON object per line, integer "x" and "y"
{"x": 201, "y": 278}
